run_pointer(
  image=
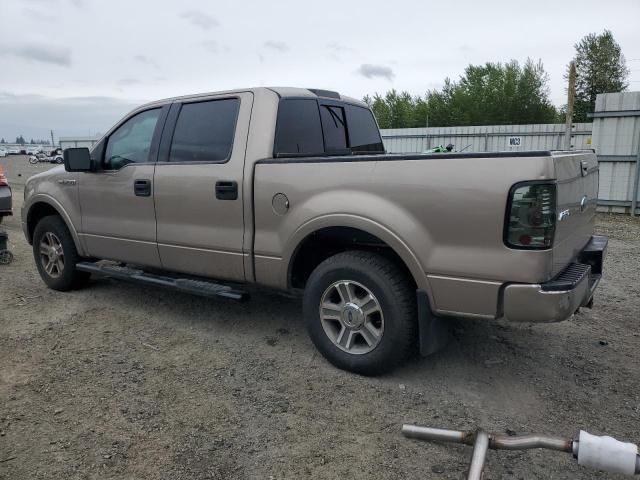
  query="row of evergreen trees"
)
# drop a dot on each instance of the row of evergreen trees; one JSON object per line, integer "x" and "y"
{"x": 508, "y": 94}
{"x": 21, "y": 141}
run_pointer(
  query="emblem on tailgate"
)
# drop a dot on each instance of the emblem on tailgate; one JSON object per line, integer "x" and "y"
{"x": 563, "y": 214}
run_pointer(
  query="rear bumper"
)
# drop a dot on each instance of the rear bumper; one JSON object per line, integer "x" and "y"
{"x": 559, "y": 298}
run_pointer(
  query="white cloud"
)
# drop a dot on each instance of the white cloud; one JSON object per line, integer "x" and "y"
{"x": 277, "y": 46}
{"x": 372, "y": 71}
{"x": 39, "y": 52}
{"x": 200, "y": 19}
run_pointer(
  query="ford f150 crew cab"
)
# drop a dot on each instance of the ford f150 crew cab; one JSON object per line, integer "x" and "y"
{"x": 291, "y": 188}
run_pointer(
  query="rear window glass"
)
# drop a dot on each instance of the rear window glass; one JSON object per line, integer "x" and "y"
{"x": 298, "y": 129}
{"x": 334, "y": 128}
{"x": 364, "y": 136}
{"x": 204, "y": 131}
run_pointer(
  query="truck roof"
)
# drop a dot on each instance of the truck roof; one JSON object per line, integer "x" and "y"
{"x": 282, "y": 92}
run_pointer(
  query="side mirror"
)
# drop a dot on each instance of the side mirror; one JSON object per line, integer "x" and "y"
{"x": 77, "y": 160}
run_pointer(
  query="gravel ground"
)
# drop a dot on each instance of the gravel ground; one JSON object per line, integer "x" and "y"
{"x": 122, "y": 381}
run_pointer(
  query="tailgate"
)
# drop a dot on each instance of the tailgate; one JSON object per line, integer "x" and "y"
{"x": 577, "y": 194}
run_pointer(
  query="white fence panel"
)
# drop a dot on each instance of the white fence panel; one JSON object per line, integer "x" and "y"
{"x": 485, "y": 138}
{"x": 616, "y": 138}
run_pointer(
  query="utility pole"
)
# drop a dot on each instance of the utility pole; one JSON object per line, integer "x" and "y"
{"x": 52, "y": 142}
{"x": 571, "y": 99}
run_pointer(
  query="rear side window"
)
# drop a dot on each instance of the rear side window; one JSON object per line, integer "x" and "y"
{"x": 364, "y": 136}
{"x": 298, "y": 130}
{"x": 334, "y": 127}
{"x": 204, "y": 131}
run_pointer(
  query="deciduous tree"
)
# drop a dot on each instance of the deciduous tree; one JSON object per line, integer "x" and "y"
{"x": 600, "y": 68}
{"x": 490, "y": 94}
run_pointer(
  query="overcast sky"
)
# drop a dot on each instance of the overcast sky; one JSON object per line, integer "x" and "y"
{"x": 77, "y": 65}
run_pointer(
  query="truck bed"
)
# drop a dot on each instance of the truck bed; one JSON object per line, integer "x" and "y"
{"x": 445, "y": 212}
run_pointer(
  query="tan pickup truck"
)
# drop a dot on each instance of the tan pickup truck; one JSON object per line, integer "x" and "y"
{"x": 291, "y": 188}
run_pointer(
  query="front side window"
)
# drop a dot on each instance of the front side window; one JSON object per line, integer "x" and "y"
{"x": 298, "y": 129}
{"x": 204, "y": 131}
{"x": 131, "y": 142}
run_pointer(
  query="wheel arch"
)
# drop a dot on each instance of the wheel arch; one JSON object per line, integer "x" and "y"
{"x": 42, "y": 207}
{"x": 328, "y": 235}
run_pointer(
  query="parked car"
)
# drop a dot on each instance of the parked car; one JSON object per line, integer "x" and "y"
{"x": 42, "y": 158}
{"x": 33, "y": 150}
{"x": 3, "y": 152}
{"x": 291, "y": 189}
{"x": 13, "y": 151}
{"x": 5, "y": 196}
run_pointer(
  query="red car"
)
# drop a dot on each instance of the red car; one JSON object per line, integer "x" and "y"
{"x": 5, "y": 196}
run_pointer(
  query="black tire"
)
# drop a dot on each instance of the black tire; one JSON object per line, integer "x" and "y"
{"x": 395, "y": 294}
{"x": 69, "y": 277}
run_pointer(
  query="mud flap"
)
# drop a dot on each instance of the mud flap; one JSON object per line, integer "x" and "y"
{"x": 432, "y": 331}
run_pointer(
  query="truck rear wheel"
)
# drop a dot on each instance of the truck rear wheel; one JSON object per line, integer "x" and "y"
{"x": 360, "y": 311}
{"x": 56, "y": 255}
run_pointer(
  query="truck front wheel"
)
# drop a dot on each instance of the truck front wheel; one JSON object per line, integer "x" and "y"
{"x": 360, "y": 311}
{"x": 56, "y": 256}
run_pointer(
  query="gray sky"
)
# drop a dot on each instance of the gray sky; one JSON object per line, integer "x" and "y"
{"x": 77, "y": 65}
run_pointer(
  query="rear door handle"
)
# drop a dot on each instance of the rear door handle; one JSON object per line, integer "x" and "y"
{"x": 142, "y": 188}
{"x": 226, "y": 190}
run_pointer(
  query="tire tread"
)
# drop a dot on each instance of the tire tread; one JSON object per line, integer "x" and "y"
{"x": 72, "y": 278}
{"x": 403, "y": 291}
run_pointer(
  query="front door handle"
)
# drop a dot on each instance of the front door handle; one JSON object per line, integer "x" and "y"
{"x": 142, "y": 188}
{"x": 226, "y": 190}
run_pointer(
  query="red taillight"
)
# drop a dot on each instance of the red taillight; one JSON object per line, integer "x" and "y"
{"x": 3, "y": 178}
{"x": 531, "y": 215}
{"x": 525, "y": 240}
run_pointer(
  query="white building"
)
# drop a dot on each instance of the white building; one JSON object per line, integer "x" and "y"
{"x": 71, "y": 142}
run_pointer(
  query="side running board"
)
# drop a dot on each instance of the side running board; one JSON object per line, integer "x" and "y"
{"x": 203, "y": 288}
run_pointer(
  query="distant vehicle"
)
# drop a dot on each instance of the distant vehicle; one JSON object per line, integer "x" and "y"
{"x": 13, "y": 151}
{"x": 42, "y": 158}
{"x": 3, "y": 152}
{"x": 5, "y": 196}
{"x": 33, "y": 150}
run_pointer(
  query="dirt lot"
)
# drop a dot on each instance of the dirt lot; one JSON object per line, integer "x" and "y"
{"x": 120, "y": 381}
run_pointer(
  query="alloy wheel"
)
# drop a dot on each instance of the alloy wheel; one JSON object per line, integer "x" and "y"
{"x": 351, "y": 317}
{"x": 52, "y": 255}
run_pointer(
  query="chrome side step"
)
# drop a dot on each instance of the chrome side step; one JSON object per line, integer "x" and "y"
{"x": 204, "y": 288}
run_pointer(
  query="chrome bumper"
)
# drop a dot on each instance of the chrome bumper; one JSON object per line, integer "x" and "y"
{"x": 561, "y": 297}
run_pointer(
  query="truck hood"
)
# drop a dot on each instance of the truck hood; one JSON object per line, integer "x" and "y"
{"x": 50, "y": 175}
{"x": 52, "y": 172}
{"x": 46, "y": 182}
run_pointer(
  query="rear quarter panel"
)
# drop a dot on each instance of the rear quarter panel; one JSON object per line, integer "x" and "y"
{"x": 445, "y": 215}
